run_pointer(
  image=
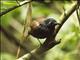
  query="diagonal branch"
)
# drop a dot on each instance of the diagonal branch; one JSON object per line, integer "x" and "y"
{"x": 14, "y": 7}
{"x": 77, "y": 13}
{"x": 66, "y": 16}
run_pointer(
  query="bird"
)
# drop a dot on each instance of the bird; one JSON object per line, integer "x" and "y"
{"x": 44, "y": 29}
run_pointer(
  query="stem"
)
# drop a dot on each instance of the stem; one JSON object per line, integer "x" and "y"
{"x": 14, "y": 7}
{"x": 64, "y": 18}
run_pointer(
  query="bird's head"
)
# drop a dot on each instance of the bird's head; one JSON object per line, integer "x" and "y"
{"x": 51, "y": 23}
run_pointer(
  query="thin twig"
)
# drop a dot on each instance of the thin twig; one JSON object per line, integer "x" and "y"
{"x": 18, "y": 52}
{"x": 18, "y": 2}
{"x": 26, "y": 23}
{"x": 77, "y": 12}
{"x": 64, "y": 18}
{"x": 14, "y": 7}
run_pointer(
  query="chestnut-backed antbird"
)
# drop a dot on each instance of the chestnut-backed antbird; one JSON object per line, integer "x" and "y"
{"x": 44, "y": 29}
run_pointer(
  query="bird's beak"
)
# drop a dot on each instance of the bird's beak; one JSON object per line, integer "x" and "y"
{"x": 57, "y": 23}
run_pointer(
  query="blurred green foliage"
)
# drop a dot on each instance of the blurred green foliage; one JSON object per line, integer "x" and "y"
{"x": 12, "y": 22}
{"x": 7, "y": 56}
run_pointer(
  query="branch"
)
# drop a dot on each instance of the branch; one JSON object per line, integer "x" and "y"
{"x": 66, "y": 16}
{"x": 50, "y": 42}
{"x": 77, "y": 13}
{"x": 26, "y": 27}
{"x": 14, "y": 7}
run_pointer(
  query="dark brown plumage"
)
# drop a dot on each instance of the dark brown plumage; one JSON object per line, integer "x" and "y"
{"x": 44, "y": 29}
